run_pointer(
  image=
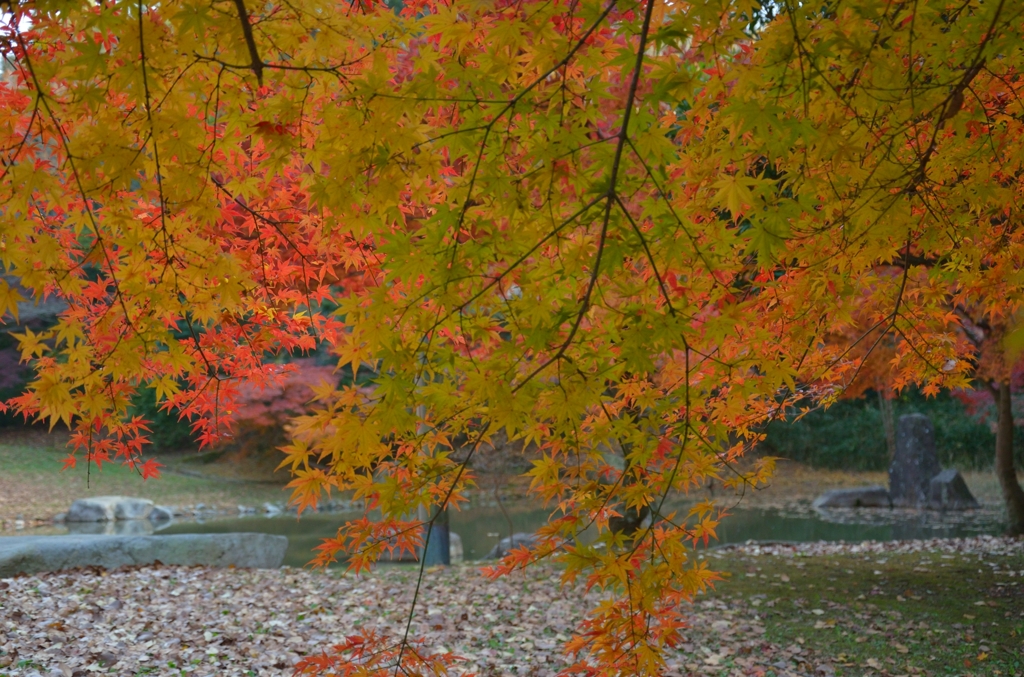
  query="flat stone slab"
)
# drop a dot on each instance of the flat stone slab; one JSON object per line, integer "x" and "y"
{"x": 33, "y": 554}
{"x": 861, "y": 497}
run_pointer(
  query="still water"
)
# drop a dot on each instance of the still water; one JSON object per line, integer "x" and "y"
{"x": 480, "y": 527}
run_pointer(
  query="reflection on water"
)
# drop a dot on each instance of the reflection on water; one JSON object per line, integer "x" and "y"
{"x": 117, "y": 528}
{"x": 482, "y": 526}
{"x": 860, "y": 524}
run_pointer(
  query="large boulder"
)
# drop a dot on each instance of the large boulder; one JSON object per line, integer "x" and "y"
{"x": 948, "y": 491}
{"x": 108, "y": 509}
{"x": 861, "y": 497}
{"x": 32, "y": 554}
{"x": 508, "y": 544}
{"x": 915, "y": 462}
{"x": 161, "y": 514}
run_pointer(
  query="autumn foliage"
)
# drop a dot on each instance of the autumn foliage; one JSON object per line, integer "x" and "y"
{"x": 626, "y": 233}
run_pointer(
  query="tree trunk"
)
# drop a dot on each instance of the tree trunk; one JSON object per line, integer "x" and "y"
{"x": 1007, "y": 474}
{"x": 888, "y": 421}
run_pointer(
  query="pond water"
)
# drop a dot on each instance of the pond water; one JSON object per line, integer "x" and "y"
{"x": 480, "y": 527}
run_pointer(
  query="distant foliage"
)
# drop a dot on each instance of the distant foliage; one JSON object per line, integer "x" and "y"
{"x": 258, "y": 418}
{"x": 849, "y": 435}
{"x": 167, "y": 431}
{"x": 261, "y": 413}
{"x": 273, "y": 405}
{"x": 14, "y": 377}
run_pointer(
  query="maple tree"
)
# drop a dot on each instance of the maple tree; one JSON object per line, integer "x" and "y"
{"x": 622, "y": 232}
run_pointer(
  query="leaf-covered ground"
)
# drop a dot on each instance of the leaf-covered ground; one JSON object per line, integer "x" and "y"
{"x": 922, "y": 608}
{"x": 169, "y": 620}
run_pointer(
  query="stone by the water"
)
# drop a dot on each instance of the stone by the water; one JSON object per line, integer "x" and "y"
{"x": 948, "y": 491}
{"x": 132, "y": 508}
{"x": 161, "y": 513}
{"x": 109, "y": 508}
{"x": 861, "y": 497}
{"x": 507, "y": 544}
{"x": 915, "y": 462}
{"x": 33, "y": 554}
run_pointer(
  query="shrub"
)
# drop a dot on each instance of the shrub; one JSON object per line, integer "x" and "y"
{"x": 850, "y": 434}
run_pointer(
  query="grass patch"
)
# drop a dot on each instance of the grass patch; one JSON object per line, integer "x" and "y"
{"x": 898, "y": 614}
{"x": 34, "y": 486}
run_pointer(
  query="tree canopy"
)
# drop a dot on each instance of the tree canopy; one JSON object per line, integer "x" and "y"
{"x": 629, "y": 234}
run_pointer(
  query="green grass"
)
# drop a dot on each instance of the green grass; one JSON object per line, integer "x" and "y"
{"x": 34, "y": 485}
{"x": 906, "y": 613}
{"x": 117, "y": 478}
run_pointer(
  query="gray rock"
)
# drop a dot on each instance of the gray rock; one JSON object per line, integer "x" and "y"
{"x": 161, "y": 513}
{"x": 32, "y": 554}
{"x": 132, "y": 509}
{"x": 99, "y": 509}
{"x": 507, "y": 544}
{"x": 915, "y": 462}
{"x": 948, "y": 491}
{"x": 861, "y": 497}
{"x": 108, "y": 509}
{"x": 271, "y": 509}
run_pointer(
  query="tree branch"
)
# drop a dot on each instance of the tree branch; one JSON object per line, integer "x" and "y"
{"x": 250, "y": 41}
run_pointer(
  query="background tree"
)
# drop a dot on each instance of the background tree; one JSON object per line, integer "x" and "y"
{"x": 911, "y": 137}
{"x": 999, "y": 372}
{"x": 585, "y": 224}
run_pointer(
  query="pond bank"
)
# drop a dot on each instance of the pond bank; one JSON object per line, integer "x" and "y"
{"x": 33, "y": 489}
